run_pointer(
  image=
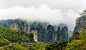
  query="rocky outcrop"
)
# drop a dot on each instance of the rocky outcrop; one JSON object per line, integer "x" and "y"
{"x": 80, "y": 23}
{"x": 65, "y": 33}
{"x": 41, "y": 32}
{"x": 34, "y": 26}
{"x": 14, "y": 26}
{"x": 28, "y": 30}
{"x": 49, "y": 35}
{"x": 59, "y": 25}
{"x": 41, "y": 28}
{"x": 35, "y": 35}
{"x": 45, "y": 32}
{"x": 2, "y": 22}
{"x": 60, "y": 35}
{"x": 18, "y": 24}
{"x": 55, "y": 36}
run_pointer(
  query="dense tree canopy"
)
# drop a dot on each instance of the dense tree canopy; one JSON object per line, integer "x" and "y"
{"x": 36, "y": 46}
{"x": 75, "y": 45}
{"x": 17, "y": 47}
{"x": 78, "y": 41}
{"x": 3, "y": 41}
{"x": 75, "y": 36}
{"x": 57, "y": 46}
{"x": 13, "y": 35}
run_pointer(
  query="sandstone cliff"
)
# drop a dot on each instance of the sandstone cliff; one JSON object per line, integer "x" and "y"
{"x": 18, "y": 24}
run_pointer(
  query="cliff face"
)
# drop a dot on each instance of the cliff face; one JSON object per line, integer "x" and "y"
{"x": 80, "y": 24}
{"x": 45, "y": 32}
{"x": 14, "y": 26}
{"x": 35, "y": 35}
{"x": 60, "y": 35}
{"x": 18, "y": 24}
{"x": 65, "y": 33}
{"x": 60, "y": 25}
{"x": 41, "y": 28}
{"x": 2, "y": 22}
{"x": 41, "y": 32}
{"x": 49, "y": 35}
{"x": 55, "y": 36}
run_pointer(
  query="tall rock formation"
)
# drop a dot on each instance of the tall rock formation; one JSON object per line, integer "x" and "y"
{"x": 2, "y": 22}
{"x": 49, "y": 35}
{"x": 18, "y": 24}
{"x": 55, "y": 36}
{"x": 81, "y": 23}
{"x": 35, "y": 35}
{"x": 60, "y": 25}
{"x": 34, "y": 26}
{"x": 65, "y": 33}
{"x": 41, "y": 32}
{"x": 45, "y": 32}
{"x": 41, "y": 27}
{"x": 60, "y": 35}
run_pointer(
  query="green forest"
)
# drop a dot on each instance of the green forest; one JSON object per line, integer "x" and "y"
{"x": 13, "y": 35}
{"x": 11, "y": 40}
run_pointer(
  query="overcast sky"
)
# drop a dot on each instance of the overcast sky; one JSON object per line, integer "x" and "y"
{"x": 54, "y": 11}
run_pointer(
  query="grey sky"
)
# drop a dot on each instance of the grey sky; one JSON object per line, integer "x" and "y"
{"x": 55, "y": 11}
{"x": 60, "y": 4}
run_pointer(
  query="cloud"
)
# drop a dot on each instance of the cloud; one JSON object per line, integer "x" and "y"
{"x": 76, "y": 5}
{"x": 42, "y": 13}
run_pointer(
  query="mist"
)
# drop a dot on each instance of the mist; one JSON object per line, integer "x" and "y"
{"x": 42, "y": 13}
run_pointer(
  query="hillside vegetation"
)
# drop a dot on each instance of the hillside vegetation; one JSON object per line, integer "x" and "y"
{"x": 7, "y": 35}
{"x": 13, "y": 35}
{"x": 76, "y": 42}
{"x": 3, "y": 41}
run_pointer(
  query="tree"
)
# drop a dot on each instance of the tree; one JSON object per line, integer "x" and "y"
{"x": 76, "y": 36}
{"x": 75, "y": 45}
{"x": 3, "y": 41}
{"x": 13, "y": 35}
{"x": 61, "y": 45}
{"x": 17, "y": 47}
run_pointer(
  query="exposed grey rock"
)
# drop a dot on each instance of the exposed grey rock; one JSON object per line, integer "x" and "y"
{"x": 80, "y": 24}
{"x": 60, "y": 35}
